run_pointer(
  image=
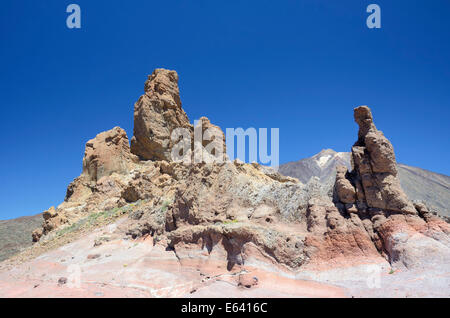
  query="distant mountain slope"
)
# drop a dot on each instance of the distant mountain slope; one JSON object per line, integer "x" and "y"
{"x": 419, "y": 184}
{"x": 15, "y": 234}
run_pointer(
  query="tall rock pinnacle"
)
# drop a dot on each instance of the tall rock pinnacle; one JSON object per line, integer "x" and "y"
{"x": 156, "y": 114}
{"x": 375, "y": 169}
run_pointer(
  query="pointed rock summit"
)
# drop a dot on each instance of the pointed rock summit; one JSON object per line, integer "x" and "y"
{"x": 374, "y": 175}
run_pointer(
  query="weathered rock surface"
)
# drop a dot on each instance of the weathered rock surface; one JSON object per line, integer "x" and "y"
{"x": 398, "y": 228}
{"x": 233, "y": 217}
{"x": 15, "y": 234}
{"x": 213, "y": 146}
{"x": 376, "y": 168}
{"x": 52, "y": 220}
{"x": 36, "y": 234}
{"x": 345, "y": 190}
{"x": 418, "y": 184}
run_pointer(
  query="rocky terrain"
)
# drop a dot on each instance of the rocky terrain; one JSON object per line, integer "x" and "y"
{"x": 137, "y": 223}
{"x": 418, "y": 184}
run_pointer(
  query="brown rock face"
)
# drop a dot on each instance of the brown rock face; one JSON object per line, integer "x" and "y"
{"x": 36, "y": 234}
{"x": 50, "y": 213}
{"x": 107, "y": 153}
{"x": 344, "y": 188}
{"x": 375, "y": 171}
{"x": 383, "y": 213}
{"x": 156, "y": 114}
{"x": 364, "y": 119}
{"x": 247, "y": 280}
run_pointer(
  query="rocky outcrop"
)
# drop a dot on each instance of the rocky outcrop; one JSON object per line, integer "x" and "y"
{"x": 156, "y": 114}
{"x": 106, "y": 163}
{"x": 107, "y": 153}
{"x": 395, "y": 225}
{"x": 113, "y": 174}
{"x": 52, "y": 220}
{"x": 212, "y": 146}
{"x": 375, "y": 169}
{"x": 50, "y": 213}
{"x": 345, "y": 190}
{"x": 245, "y": 213}
{"x": 36, "y": 235}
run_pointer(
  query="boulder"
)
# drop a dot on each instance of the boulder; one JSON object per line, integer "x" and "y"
{"x": 50, "y": 213}
{"x": 247, "y": 280}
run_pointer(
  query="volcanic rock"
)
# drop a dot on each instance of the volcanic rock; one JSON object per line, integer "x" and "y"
{"x": 62, "y": 281}
{"x": 395, "y": 225}
{"x": 212, "y": 147}
{"x": 52, "y": 220}
{"x": 36, "y": 234}
{"x": 247, "y": 280}
{"x": 230, "y": 215}
{"x": 345, "y": 190}
{"x": 375, "y": 167}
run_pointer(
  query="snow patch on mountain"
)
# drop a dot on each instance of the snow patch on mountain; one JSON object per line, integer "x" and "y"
{"x": 322, "y": 161}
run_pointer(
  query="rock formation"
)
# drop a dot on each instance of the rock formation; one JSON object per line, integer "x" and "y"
{"x": 156, "y": 114}
{"x": 107, "y": 153}
{"x": 374, "y": 160}
{"x": 238, "y": 214}
{"x": 52, "y": 220}
{"x": 418, "y": 184}
{"x": 375, "y": 170}
{"x": 381, "y": 204}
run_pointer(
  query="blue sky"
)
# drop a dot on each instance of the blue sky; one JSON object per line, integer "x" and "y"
{"x": 298, "y": 65}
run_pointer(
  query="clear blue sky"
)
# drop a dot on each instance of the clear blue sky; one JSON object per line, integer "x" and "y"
{"x": 298, "y": 65}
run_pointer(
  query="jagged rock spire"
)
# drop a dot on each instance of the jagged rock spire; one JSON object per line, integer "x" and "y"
{"x": 374, "y": 169}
